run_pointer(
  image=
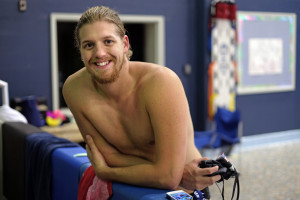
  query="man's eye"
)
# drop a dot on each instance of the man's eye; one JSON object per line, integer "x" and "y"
{"x": 88, "y": 45}
{"x": 108, "y": 42}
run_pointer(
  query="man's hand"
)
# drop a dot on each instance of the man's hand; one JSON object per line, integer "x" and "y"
{"x": 97, "y": 160}
{"x": 195, "y": 177}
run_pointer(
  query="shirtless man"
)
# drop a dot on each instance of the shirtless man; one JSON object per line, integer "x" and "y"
{"x": 134, "y": 116}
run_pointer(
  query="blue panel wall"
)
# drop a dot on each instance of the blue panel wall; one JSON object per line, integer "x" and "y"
{"x": 25, "y": 53}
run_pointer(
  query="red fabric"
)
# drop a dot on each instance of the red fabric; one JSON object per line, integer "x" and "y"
{"x": 225, "y": 10}
{"x": 86, "y": 183}
{"x": 232, "y": 15}
{"x": 100, "y": 190}
{"x": 222, "y": 10}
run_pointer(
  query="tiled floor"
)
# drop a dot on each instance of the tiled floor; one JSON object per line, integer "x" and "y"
{"x": 269, "y": 165}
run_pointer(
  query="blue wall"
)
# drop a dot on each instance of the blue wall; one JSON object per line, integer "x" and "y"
{"x": 26, "y": 57}
{"x": 275, "y": 111}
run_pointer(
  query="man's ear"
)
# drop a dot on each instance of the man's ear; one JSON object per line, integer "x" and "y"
{"x": 126, "y": 43}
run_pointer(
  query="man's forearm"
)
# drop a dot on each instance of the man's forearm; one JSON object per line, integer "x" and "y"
{"x": 143, "y": 175}
{"x": 160, "y": 174}
{"x": 123, "y": 160}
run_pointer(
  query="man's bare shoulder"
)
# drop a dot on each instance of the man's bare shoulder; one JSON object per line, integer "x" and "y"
{"x": 78, "y": 79}
{"x": 149, "y": 73}
{"x": 76, "y": 86}
{"x": 157, "y": 81}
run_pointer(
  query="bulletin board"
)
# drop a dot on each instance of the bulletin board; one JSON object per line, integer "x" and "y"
{"x": 266, "y": 50}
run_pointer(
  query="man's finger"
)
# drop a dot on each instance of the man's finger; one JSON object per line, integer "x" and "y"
{"x": 94, "y": 154}
{"x": 88, "y": 151}
{"x": 91, "y": 148}
{"x": 216, "y": 178}
{"x": 90, "y": 143}
{"x": 198, "y": 160}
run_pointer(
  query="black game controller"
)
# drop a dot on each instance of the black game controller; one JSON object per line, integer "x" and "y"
{"x": 226, "y": 169}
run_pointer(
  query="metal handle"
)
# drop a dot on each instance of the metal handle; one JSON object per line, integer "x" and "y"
{"x": 5, "y": 98}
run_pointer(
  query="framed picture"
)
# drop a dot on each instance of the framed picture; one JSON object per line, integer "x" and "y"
{"x": 266, "y": 52}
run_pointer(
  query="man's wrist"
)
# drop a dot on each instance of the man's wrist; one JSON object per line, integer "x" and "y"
{"x": 103, "y": 172}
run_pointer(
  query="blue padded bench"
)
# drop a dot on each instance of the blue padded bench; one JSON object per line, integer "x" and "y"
{"x": 67, "y": 168}
{"x": 129, "y": 192}
{"x": 68, "y": 165}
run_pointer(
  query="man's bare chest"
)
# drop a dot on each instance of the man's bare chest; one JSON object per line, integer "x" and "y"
{"x": 127, "y": 127}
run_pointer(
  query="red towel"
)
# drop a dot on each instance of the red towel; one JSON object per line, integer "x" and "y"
{"x": 93, "y": 188}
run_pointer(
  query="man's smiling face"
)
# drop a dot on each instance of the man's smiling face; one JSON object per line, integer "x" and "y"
{"x": 102, "y": 50}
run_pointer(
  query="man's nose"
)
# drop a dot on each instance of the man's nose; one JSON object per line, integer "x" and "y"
{"x": 100, "y": 51}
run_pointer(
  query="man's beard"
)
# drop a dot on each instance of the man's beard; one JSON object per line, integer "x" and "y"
{"x": 113, "y": 77}
{"x": 110, "y": 79}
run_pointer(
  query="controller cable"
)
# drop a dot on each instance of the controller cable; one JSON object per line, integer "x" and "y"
{"x": 236, "y": 185}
